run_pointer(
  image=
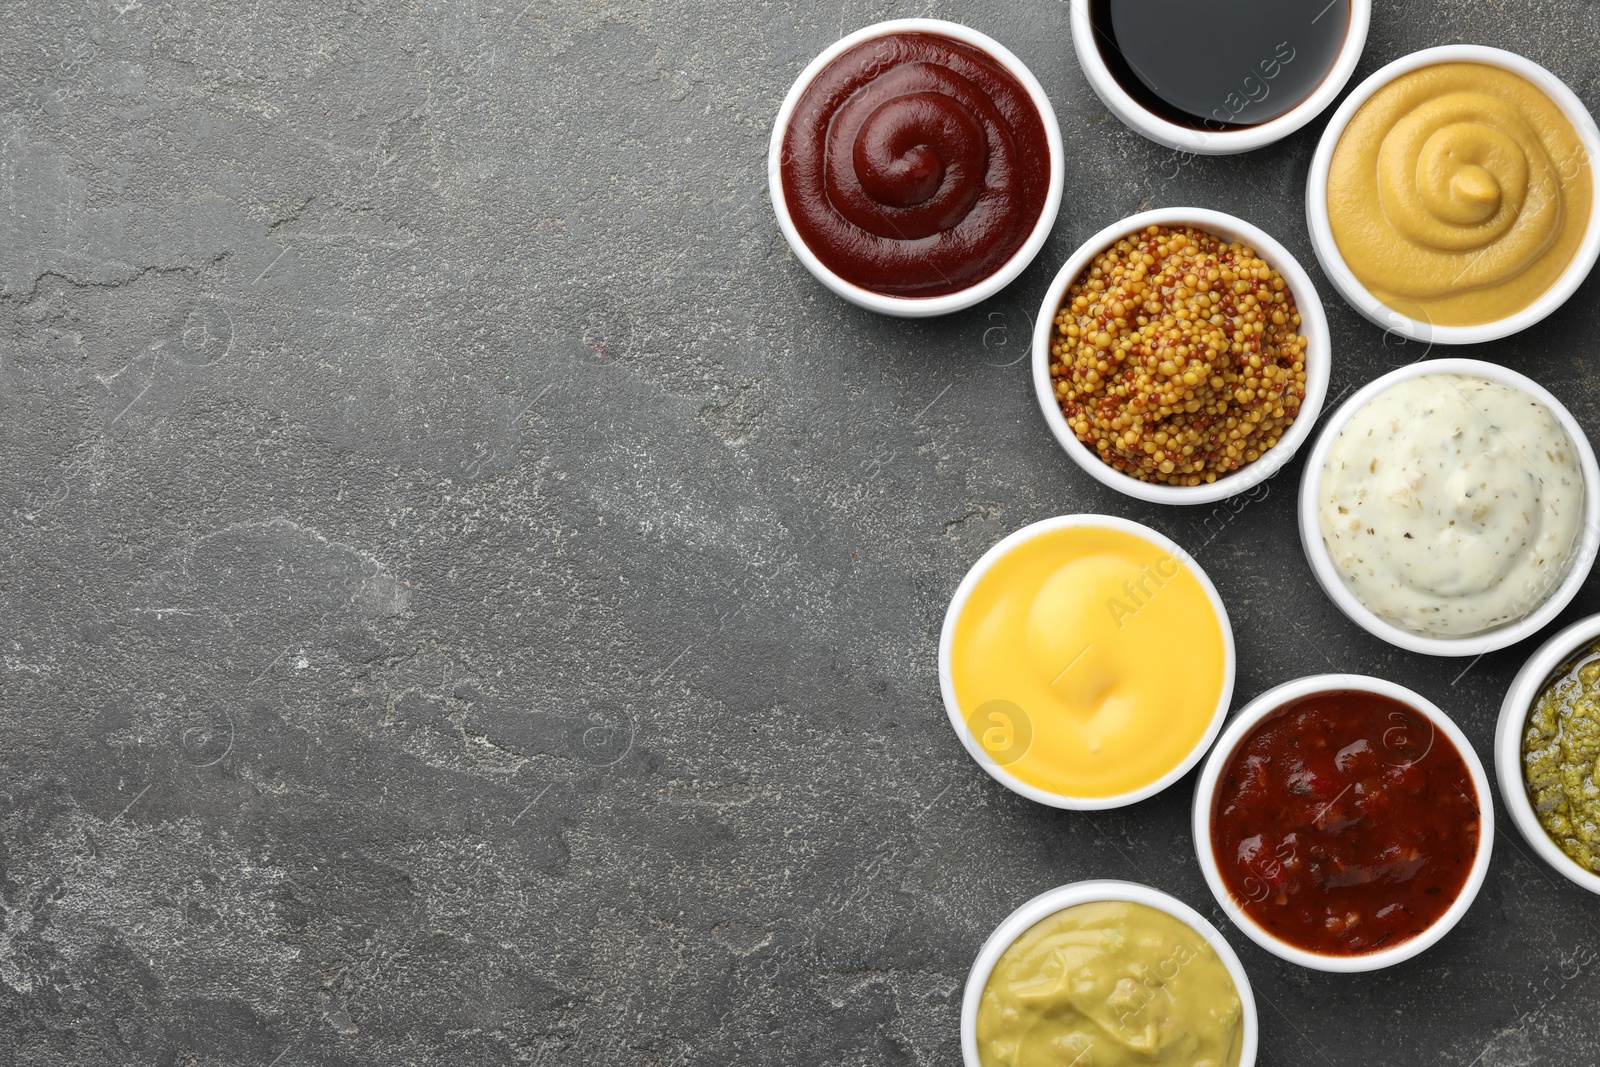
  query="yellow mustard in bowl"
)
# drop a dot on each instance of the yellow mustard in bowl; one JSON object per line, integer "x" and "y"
{"x": 1089, "y": 661}
{"x": 1459, "y": 193}
{"x": 1112, "y": 984}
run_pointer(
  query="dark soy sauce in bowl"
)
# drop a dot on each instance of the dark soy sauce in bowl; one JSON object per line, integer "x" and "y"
{"x": 1220, "y": 64}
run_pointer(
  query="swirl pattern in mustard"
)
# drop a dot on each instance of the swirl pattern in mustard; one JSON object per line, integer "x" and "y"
{"x": 1459, "y": 193}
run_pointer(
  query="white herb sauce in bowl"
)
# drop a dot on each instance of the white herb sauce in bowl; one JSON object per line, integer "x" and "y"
{"x": 1451, "y": 505}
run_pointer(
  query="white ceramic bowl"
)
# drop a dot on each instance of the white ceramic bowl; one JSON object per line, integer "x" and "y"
{"x": 947, "y": 686}
{"x": 920, "y": 307}
{"x": 1214, "y": 142}
{"x": 1262, "y": 708}
{"x": 1477, "y": 644}
{"x": 1344, "y": 280}
{"x": 1508, "y": 744}
{"x": 1313, "y": 327}
{"x": 1092, "y": 892}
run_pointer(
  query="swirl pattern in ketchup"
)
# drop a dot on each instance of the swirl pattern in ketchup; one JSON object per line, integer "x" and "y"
{"x": 915, "y": 165}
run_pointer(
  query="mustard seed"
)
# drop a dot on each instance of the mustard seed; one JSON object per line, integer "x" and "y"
{"x": 1206, "y": 380}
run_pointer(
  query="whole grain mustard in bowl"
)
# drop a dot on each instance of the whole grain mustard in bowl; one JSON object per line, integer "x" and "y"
{"x": 1451, "y": 198}
{"x": 1181, "y": 356}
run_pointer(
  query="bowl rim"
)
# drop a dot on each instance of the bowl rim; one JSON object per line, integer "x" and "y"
{"x": 1263, "y": 707}
{"x": 1313, "y": 327}
{"x": 1343, "y": 278}
{"x": 1093, "y": 891}
{"x": 958, "y": 602}
{"x": 1327, "y": 575}
{"x": 1216, "y": 142}
{"x": 1514, "y": 711}
{"x": 922, "y": 306}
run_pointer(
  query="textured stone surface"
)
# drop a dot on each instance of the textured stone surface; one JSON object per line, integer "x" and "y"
{"x": 469, "y": 596}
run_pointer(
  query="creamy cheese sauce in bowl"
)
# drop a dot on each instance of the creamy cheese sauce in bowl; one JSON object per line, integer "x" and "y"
{"x": 1451, "y": 507}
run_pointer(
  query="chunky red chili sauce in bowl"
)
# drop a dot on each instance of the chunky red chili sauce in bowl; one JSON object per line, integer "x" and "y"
{"x": 915, "y": 167}
{"x": 1344, "y": 822}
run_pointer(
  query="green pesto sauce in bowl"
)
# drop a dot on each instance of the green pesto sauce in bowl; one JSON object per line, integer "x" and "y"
{"x": 1560, "y": 747}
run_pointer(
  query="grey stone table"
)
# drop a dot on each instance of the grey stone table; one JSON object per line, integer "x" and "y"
{"x": 469, "y": 596}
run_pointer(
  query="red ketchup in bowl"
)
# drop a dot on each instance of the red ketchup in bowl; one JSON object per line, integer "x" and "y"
{"x": 1345, "y": 823}
{"x": 915, "y": 165}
